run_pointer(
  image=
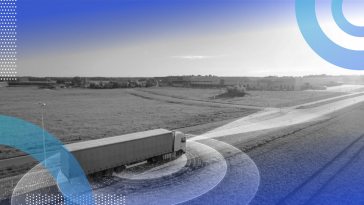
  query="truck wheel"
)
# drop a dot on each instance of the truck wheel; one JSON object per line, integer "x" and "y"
{"x": 119, "y": 169}
{"x": 98, "y": 175}
{"x": 108, "y": 172}
{"x": 152, "y": 160}
{"x": 159, "y": 158}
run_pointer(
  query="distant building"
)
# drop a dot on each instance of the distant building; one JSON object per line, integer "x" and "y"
{"x": 309, "y": 82}
{"x": 23, "y": 79}
{"x": 177, "y": 81}
{"x": 247, "y": 82}
{"x": 162, "y": 81}
{"x": 251, "y": 83}
{"x": 205, "y": 81}
{"x": 281, "y": 83}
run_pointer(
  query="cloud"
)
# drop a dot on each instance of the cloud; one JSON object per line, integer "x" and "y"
{"x": 196, "y": 57}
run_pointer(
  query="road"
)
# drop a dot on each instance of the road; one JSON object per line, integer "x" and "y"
{"x": 319, "y": 164}
{"x": 23, "y": 159}
{"x": 288, "y": 116}
{"x": 305, "y": 156}
{"x": 342, "y": 88}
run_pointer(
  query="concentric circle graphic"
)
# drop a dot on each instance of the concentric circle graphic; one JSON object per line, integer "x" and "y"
{"x": 320, "y": 43}
{"x": 198, "y": 172}
{"x": 333, "y": 31}
{"x": 342, "y": 22}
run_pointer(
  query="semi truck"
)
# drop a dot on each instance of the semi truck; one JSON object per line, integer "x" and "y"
{"x": 102, "y": 157}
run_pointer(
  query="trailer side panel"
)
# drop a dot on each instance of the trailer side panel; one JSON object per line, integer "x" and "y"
{"x": 104, "y": 154}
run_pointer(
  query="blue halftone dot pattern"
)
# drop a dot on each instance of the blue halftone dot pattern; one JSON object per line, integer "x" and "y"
{"x": 7, "y": 40}
{"x": 57, "y": 199}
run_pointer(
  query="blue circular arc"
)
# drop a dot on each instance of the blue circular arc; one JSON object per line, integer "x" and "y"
{"x": 342, "y": 22}
{"x": 320, "y": 43}
{"x": 28, "y": 138}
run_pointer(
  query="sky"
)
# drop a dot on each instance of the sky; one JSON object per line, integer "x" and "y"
{"x": 126, "y": 38}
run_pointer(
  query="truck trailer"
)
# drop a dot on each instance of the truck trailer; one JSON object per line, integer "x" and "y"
{"x": 103, "y": 156}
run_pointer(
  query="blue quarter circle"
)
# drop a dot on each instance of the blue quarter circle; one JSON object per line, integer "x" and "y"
{"x": 320, "y": 43}
{"x": 342, "y": 22}
{"x": 28, "y": 138}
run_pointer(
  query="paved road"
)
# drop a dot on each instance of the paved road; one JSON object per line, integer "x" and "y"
{"x": 22, "y": 160}
{"x": 288, "y": 116}
{"x": 320, "y": 164}
{"x": 342, "y": 88}
{"x": 319, "y": 161}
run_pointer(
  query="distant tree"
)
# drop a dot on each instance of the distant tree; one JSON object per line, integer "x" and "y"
{"x": 150, "y": 83}
{"x": 115, "y": 85}
{"x": 60, "y": 81}
{"x": 76, "y": 81}
{"x": 236, "y": 89}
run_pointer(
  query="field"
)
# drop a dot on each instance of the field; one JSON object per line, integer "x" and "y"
{"x": 83, "y": 114}
{"x": 287, "y": 157}
{"x": 255, "y": 98}
{"x": 3, "y": 84}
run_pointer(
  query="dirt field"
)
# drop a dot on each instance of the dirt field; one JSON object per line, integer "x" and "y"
{"x": 256, "y": 98}
{"x": 83, "y": 114}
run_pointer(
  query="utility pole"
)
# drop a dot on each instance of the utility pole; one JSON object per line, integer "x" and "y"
{"x": 44, "y": 147}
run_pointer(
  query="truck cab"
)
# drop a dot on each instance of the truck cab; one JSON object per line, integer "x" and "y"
{"x": 179, "y": 142}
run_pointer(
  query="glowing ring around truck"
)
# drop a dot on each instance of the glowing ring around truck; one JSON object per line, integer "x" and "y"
{"x": 248, "y": 176}
{"x": 177, "y": 186}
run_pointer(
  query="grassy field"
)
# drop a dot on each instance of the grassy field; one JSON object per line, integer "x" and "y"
{"x": 256, "y": 98}
{"x": 83, "y": 114}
